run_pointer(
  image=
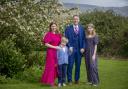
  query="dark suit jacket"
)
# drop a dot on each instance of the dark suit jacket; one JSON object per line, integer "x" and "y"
{"x": 70, "y": 34}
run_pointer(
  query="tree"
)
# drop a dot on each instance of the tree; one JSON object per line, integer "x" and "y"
{"x": 24, "y": 22}
{"x": 112, "y": 30}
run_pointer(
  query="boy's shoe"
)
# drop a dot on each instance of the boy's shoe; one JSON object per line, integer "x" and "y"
{"x": 94, "y": 85}
{"x": 64, "y": 84}
{"x": 59, "y": 85}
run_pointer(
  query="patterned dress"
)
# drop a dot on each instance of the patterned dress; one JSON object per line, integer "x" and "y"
{"x": 91, "y": 66}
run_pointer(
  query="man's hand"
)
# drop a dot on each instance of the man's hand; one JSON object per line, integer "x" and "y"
{"x": 82, "y": 50}
{"x": 71, "y": 49}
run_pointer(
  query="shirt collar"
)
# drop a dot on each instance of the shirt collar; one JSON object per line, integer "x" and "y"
{"x": 75, "y": 26}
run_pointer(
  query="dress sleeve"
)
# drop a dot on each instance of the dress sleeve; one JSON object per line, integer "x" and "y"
{"x": 96, "y": 40}
{"x": 47, "y": 38}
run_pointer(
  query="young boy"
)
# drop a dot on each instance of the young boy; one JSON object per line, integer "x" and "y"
{"x": 62, "y": 56}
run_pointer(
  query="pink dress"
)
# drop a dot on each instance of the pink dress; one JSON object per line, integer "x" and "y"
{"x": 50, "y": 72}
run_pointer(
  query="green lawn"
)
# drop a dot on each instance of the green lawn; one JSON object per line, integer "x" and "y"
{"x": 113, "y": 75}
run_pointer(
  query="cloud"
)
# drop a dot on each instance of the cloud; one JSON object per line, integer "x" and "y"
{"x": 105, "y": 3}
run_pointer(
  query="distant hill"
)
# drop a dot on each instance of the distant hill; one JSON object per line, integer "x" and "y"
{"x": 123, "y": 11}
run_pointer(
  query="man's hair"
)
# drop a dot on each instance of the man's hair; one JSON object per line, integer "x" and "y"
{"x": 75, "y": 16}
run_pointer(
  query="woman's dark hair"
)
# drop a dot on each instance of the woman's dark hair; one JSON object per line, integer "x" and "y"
{"x": 57, "y": 30}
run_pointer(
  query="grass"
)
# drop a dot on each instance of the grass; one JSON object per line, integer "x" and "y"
{"x": 113, "y": 75}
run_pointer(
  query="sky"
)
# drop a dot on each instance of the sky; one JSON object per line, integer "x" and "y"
{"x": 104, "y": 3}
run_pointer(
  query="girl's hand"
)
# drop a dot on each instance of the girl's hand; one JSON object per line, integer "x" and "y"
{"x": 93, "y": 57}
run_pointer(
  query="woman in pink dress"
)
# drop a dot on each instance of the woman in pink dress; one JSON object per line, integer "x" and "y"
{"x": 51, "y": 40}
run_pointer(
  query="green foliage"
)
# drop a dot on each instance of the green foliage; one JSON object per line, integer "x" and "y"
{"x": 5, "y": 80}
{"x": 26, "y": 21}
{"x": 32, "y": 74}
{"x": 29, "y": 20}
{"x": 112, "y": 30}
{"x": 5, "y": 1}
{"x": 11, "y": 59}
{"x": 36, "y": 58}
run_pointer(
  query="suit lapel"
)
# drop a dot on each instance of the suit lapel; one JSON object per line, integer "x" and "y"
{"x": 72, "y": 28}
{"x": 79, "y": 31}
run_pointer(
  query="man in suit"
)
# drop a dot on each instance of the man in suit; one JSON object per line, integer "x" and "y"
{"x": 76, "y": 35}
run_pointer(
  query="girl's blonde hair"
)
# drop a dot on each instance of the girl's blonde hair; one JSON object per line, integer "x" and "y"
{"x": 94, "y": 30}
{"x": 64, "y": 40}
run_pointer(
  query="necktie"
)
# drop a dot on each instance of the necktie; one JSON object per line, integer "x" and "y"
{"x": 76, "y": 29}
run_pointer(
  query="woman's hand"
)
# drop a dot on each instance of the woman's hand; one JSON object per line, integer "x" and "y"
{"x": 57, "y": 47}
